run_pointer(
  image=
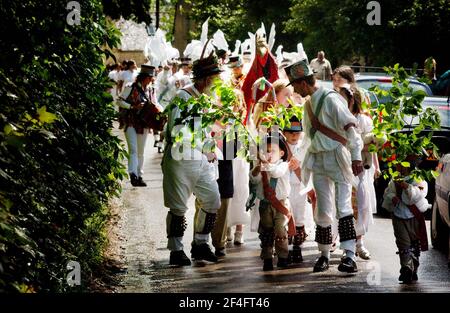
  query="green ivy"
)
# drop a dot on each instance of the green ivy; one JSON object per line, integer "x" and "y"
{"x": 59, "y": 162}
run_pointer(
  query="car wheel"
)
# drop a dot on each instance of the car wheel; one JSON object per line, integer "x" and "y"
{"x": 439, "y": 230}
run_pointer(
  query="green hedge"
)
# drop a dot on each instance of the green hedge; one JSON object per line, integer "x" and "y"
{"x": 59, "y": 162}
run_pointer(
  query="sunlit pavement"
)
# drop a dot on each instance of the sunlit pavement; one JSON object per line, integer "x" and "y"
{"x": 143, "y": 226}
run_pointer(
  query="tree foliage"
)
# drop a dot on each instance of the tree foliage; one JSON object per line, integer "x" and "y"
{"x": 340, "y": 28}
{"x": 59, "y": 162}
{"x": 410, "y": 30}
{"x": 238, "y": 17}
{"x": 138, "y": 10}
{"x": 407, "y": 125}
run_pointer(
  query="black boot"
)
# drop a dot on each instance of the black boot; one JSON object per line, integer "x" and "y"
{"x": 220, "y": 253}
{"x": 268, "y": 265}
{"x": 134, "y": 180}
{"x": 347, "y": 265}
{"x": 282, "y": 263}
{"x": 321, "y": 265}
{"x": 141, "y": 182}
{"x": 203, "y": 252}
{"x": 179, "y": 258}
{"x": 406, "y": 275}
{"x": 297, "y": 256}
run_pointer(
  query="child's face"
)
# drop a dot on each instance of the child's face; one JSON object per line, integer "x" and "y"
{"x": 292, "y": 138}
{"x": 283, "y": 96}
{"x": 273, "y": 154}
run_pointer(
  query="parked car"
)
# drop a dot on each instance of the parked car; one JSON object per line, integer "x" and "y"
{"x": 385, "y": 83}
{"x": 440, "y": 218}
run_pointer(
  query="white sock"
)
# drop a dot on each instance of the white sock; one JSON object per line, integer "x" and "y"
{"x": 359, "y": 243}
{"x": 326, "y": 254}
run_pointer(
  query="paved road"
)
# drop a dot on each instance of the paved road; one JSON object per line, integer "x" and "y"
{"x": 142, "y": 224}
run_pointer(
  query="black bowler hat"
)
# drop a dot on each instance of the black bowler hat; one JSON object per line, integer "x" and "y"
{"x": 147, "y": 70}
{"x": 296, "y": 125}
{"x": 206, "y": 67}
{"x": 235, "y": 61}
{"x": 278, "y": 138}
{"x": 185, "y": 61}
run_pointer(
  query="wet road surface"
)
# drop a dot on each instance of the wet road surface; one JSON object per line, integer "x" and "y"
{"x": 142, "y": 225}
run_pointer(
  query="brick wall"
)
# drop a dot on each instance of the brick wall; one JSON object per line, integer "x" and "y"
{"x": 138, "y": 56}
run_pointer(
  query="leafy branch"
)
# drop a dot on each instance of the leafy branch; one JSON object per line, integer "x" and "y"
{"x": 407, "y": 125}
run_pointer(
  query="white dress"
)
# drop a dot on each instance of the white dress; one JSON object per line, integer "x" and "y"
{"x": 237, "y": 214}
{"x": 301, "y": 208}
{"x": 365, "y": 194}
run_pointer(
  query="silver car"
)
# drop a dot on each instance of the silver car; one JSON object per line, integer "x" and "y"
{"x": 440, "y": 219}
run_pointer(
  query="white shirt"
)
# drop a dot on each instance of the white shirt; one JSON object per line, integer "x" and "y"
{"x": 335, "y": 115}
{"x": 114, "y": 75}
{"x": 182, "y": 78}
{"x": 296, "y": 153}
{"x": 166, "y": 88}
{"x": 173, "y": 130}
{"x": 279, "y": 170}
{"x": 415, "y": 194}
{"x": 127, "y": 76}
{"x": 322, "y": 70}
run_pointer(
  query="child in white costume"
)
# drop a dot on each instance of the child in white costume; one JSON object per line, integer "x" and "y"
{"x": 271, "y": 177}
{"x": 301, "y": 208}
{"x": 406, "y": 199}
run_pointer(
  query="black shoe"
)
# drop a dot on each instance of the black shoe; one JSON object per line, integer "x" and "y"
{"x": 220, "y": 253}
{"x": 321, "y": 265}
{"x": 203, "y": 252}
{"x": 141, "y": 182}
{"x": 297, "y": 256}
{"x": 282, "y": 263}
{"x": 179, "y": 258}
{"x": 347, "y": 266}
{"x": 134, "y": 180}
{"x": 268, "y": 265}
{"x": 406, "y": 275}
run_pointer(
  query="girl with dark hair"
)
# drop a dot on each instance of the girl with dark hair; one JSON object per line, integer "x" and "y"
{"x": 134, "y": 103}
{"x": 363, "y": 197}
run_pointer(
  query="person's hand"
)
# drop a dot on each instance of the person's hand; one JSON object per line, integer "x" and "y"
{"x": 377, "y": 174}
{"x": 395, "y": 200}
{"x": 257, "y": 169}
{"x": 357, "y": 167}
{"x": 311, "y": 196}
{"x": 293, "y": 164}
{"x": 404, "y": 185}
{"x": 138, "y": 106}
{"x": 211, "y": 156}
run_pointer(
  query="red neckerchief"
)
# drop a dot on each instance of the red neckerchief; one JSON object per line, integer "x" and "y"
{"x": 422, "y": 227}
{"x": 269, "y": 195}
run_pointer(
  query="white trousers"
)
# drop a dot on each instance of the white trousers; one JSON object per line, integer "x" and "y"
{"x": 136, "y": 147}
{"x": 332, "y": 190}
{"x": 298, "y": 204}
{"x": 183, "y": 178}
